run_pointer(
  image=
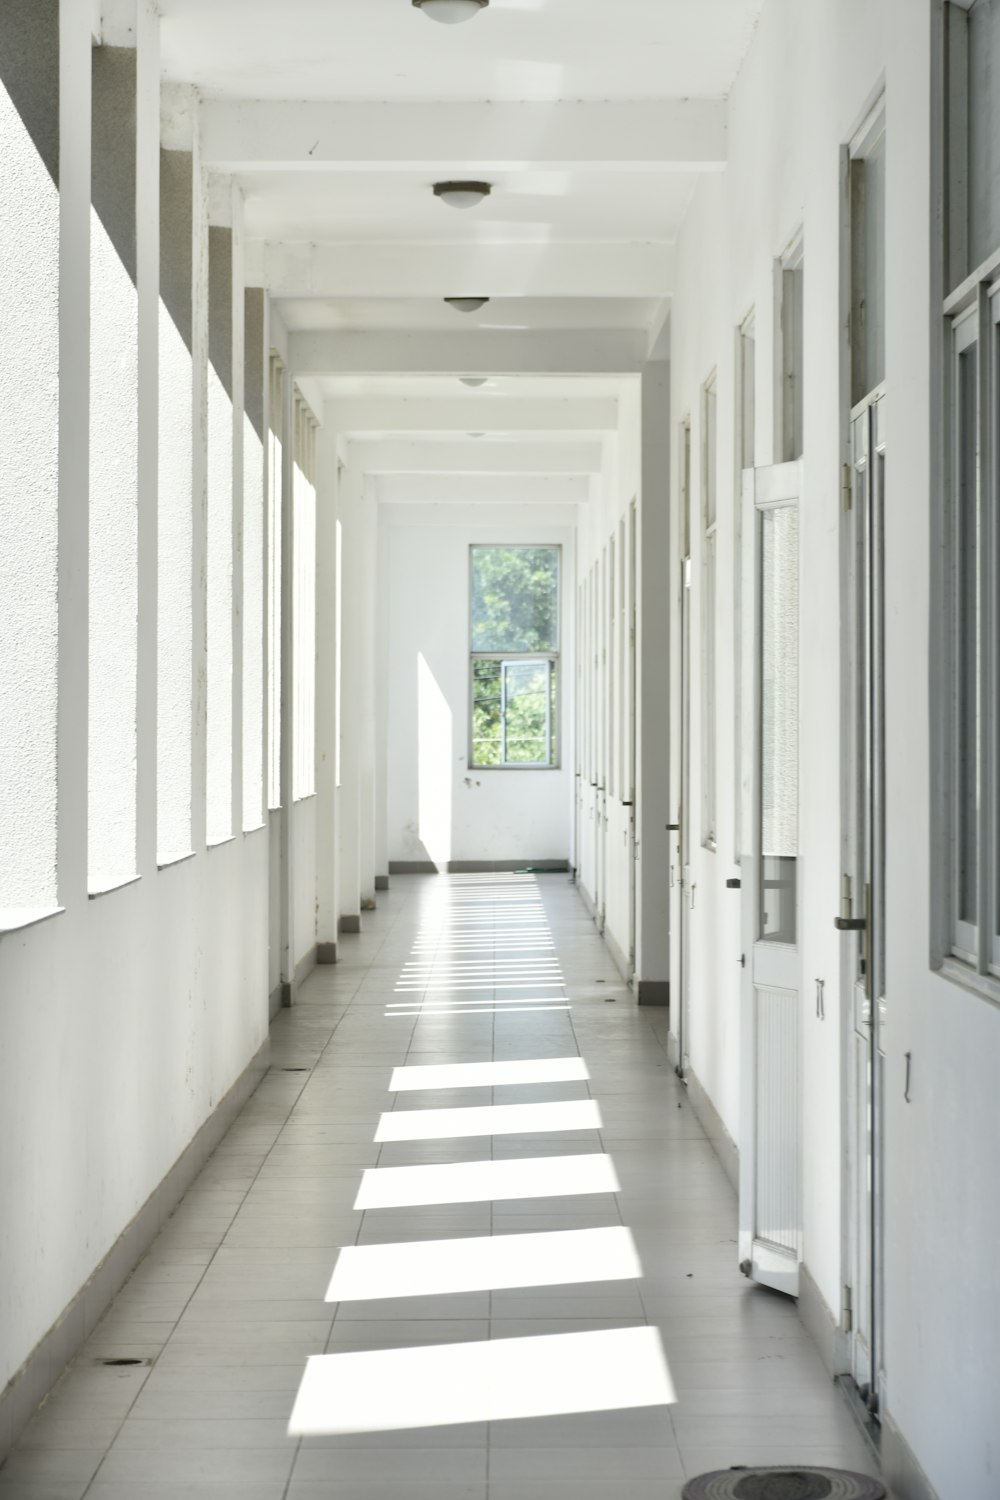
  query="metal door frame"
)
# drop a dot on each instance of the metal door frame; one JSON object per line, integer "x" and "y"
{"x": 862, "y": 916}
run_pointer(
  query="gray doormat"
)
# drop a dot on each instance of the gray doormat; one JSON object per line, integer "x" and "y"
{"x": 783, "y": 1482}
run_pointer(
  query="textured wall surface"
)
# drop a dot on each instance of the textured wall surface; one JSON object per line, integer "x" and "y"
{"x": 29, "y": 399}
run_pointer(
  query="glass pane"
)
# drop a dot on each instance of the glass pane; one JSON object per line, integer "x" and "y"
{"x": 515, "y": 599}
{"x": 981, "y": 109}
{"x": 967, "y": 543}
{"x": 710, "y": 475}
{"x": 747, "y": 399}
{"x": 868, "y": 270}
{"x": 779, "y": 723}
{"x": 487, "y": 713}
{"x": 527, "y": 711}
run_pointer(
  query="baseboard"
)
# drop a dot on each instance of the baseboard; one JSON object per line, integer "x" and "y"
{"x": 305, "y": 966}
{"x": 829, "y": 1338}
{"x": 900, "y": 1468}
{"x": 350, "y": 923}
{"x": 476, "y": 867}
{"x": 381, "y": 882}
{"x": 711, "y": 1122}
{"x": 587, "y": 900}
{"x": 652, "y": 991}
{"x": 326, "y": 953}
{"x": 25, "y": 1392}
{"x": 275, "y": 1000}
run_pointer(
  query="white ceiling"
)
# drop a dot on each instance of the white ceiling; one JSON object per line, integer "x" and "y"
{"x": 409, "y": 315}
{"x": 592, "y": 119}
{"x": 518, "y": 49}
{"x": 597, "y": 207}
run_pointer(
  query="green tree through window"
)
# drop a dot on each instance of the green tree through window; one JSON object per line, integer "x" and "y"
{"x": 515, "y": 652}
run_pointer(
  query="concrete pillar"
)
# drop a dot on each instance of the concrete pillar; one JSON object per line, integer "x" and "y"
{"x": 653, "y": 706}
{"x": 285, "y": 814}
{"x": 255, "y": 368}
{"x": 350, "y": 511}
{"x": 237, "y": 339}
{"x": 367, "y": 650}
{"x": 199, "y": 489}
{"x": 381, "y": 600}
{"x": 327, "y": 727}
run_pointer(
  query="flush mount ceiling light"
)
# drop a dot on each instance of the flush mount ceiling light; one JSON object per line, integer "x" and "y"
{"x": 462, "y": 194}
{"x": 467, "y": 304}
{"x": 473, "y": 381}
{"x": 451, "y": 12}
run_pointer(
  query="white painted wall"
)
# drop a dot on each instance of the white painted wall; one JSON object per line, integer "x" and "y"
{"x": 135, "y": 1013}
{"x": 808, "y": 80}
{"x": 29, "y": 395}
{"x": 467, "y": 814}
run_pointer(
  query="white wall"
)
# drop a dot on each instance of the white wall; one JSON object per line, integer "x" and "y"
{"x": 810, "y": 76}
{"x": 127, "y": 1019}
{"x": 467, "y": 814}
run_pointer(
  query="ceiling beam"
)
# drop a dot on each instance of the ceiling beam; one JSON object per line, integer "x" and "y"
{"x": 486, "y": 412}
{"x": 639, "y": 136}
{"x": 475, "y": 456}
{"x": 435, "y": 490}
{"x": 501, "y": 269}
{"x": 472, "y": 352}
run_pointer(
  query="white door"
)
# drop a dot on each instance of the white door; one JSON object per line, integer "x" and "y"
{"x": 770, "y": 1235}
{"x": 861, "y": 917}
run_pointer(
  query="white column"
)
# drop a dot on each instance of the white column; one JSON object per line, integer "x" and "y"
{"x": 327, "y": 726}
{"x": 238, "y": 317}
{"x": 199, "y": 492}
{"x": 653, "y": 707}
{"x": 350, "y": 504}
{"x": 367, "y": 776}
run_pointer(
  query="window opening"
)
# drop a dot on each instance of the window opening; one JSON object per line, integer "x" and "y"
{"x": 968, "y": 901}
{"x": 515, "y": 656}
{"x": 791, "y": 357}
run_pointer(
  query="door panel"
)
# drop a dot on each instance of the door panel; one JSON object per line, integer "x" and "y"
{"x": 862, "y": 916}
{"x": 770, "y": 1155}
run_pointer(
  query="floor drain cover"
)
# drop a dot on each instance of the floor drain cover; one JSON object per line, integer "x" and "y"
{"x": 120, "y": 1363}
{"x": 783, "y": 1483}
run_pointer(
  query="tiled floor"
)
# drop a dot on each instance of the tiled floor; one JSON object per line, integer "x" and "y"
{"x": 229, "y": 1304}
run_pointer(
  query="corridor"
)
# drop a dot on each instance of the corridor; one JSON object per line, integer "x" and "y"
{"x": 547, "y": 1107}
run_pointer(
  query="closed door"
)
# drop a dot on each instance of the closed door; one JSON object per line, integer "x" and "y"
{"x": 770, "y": 1235}
{"x": 682, "y": 827}
{"x": 861, "y": 917}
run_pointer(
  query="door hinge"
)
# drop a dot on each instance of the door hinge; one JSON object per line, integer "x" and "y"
{"x": 847, "y": 1310}
{"x": 845, "y": 486}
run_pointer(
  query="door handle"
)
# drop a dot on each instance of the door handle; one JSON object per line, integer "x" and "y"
{"x": 734, "y": 884}
{"x": 850, "y": 924}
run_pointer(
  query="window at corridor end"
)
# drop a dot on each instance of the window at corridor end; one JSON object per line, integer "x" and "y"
{"x": 514, "y": 626}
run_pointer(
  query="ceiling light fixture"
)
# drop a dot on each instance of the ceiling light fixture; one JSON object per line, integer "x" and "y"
{"x": 451, "y": 12}
{"x": 462, "y": 194}
{"x": 467, "y": 304}
{"x": 473, "y": 381}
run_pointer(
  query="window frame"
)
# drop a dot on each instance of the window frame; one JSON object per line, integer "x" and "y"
{"x": 553, "y": 658}
{"x": 963, "y": 953}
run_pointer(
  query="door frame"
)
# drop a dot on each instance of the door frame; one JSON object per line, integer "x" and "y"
{"x": 763, "y": 489}
{"x": 863, "y": 802}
